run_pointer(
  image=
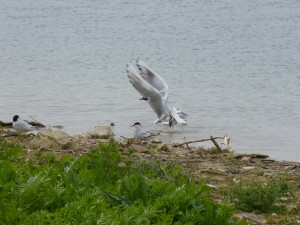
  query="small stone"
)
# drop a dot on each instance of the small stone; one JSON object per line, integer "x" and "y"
{"x": 230, "y": 150}
{"x": 121, "y": 164}
{"x": 211, "y": 186}
{"x": 247, "y": 168}
{"x": 246, "y": 159}
{"x": 100, "y": 131}
{"x": 163, "y": 147}
{"x": 49, "y": 139}
{"x": 237, "y": 181}
{"x": 222, "y": 171}
{"x": 156, "y": 141}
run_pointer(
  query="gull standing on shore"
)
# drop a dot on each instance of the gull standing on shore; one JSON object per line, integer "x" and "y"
{"x": 154, "y": 90}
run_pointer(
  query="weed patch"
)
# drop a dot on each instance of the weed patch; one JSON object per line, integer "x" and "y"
{"x": 262, "y": 197}
{"x": 102, "y": 187}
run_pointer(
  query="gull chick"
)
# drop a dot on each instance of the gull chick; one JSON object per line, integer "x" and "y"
{"x": 154, "y": 90}
{"x": 140, "y": 133}
{"x": 21, "y": 125}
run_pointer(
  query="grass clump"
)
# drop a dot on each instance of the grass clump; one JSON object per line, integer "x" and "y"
{"x": 10, "y": 152}
{"x": 102, "y": 187}
{"x": 262, "y": 197}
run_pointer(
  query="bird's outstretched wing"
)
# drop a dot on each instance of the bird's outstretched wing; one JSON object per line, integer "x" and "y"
{"x": 155, "y": 99}
{"x": 153, "y": 78}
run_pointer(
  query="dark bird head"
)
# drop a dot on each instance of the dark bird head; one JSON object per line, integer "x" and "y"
{"x": 144, "y": 98}
{"x": 15, "y": 118}
{"x": 136, "y": 124}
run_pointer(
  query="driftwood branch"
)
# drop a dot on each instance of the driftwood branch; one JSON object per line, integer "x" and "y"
{"x": 33, "y": 123}
{"x": 252, "y": 220}
{"x": 18, "y": 135}
{"x": 261, "y": 156}
{"x": 216, "y": 143}
{"x": 3, "y": 124}
{"x": 201, "y": 140}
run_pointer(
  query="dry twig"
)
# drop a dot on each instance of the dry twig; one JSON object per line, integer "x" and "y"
{"x": 201, "y": 140}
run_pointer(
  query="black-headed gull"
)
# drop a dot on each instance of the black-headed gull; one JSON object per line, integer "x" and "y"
{"x": 140, "y": 133}
{"x": 154, "y": 90}
{"x": 21, "y": 125}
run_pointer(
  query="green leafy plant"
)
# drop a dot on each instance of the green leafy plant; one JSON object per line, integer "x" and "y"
{"x": 102, "y": 187}
{"x": 10, "y": 151}
{"x": 261, "y": 197}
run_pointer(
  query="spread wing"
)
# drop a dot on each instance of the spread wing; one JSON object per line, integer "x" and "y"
{"x": 155, "y": 99}
{"x": 153, "y": 78}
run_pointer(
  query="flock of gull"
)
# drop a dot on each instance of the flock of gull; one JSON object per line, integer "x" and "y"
{"x": 153, "y": 90}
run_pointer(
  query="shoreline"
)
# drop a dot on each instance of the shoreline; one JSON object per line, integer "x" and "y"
{"x": 222, "y": 169}
{"x": 167, "y": 137}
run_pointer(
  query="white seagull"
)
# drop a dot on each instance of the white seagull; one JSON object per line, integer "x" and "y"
{"x": 140, "y": 133}
{"x": 154, "y": 90}
{"x": 21, "y": 125}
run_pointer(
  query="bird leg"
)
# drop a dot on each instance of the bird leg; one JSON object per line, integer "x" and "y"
{"x": 171, "y": 121}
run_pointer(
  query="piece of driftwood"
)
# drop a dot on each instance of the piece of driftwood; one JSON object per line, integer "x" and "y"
{"x": 32, "y": 123}
{"x": 252, "y": 220}
{"x": 35, "y": 123}
{"x": 201, "y": 140}
{"x": 267, "y": 160}
{"x": 260, "y": 156}
{"x": 191, "y": 160}
{"x": 216, "y": 143}
{"x": 3, "y": 124}
{"x": 17, "y": 135}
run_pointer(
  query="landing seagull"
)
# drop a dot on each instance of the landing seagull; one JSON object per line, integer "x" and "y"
{"x": 140, "y": 133}
{"x": 154, "y": 90}
{"x": 21, "y": 125}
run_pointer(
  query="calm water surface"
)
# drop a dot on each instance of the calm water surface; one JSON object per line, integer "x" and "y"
{"x": 233, "y": 66}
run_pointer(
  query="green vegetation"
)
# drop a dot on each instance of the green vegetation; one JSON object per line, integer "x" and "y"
{"x": 260, "y": 197}
{"x": 102, "y": 187}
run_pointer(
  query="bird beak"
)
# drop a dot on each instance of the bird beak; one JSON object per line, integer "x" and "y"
{"x": 132, "y": 125}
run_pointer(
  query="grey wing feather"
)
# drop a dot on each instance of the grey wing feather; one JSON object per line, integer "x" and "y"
{"x": 153, "y": 78}
{"x": 146, "y": 90}
{"x": 22, "y": 125}
{"x": 146, "y": 134}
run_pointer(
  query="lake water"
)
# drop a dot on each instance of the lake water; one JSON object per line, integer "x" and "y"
{"x": 233, "y": 66}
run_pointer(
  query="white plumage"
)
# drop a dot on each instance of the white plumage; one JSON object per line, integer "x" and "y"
{"x": 140, "y": 133}
{"x": 21, "y": 125}
{"x": 154, "y": 90}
